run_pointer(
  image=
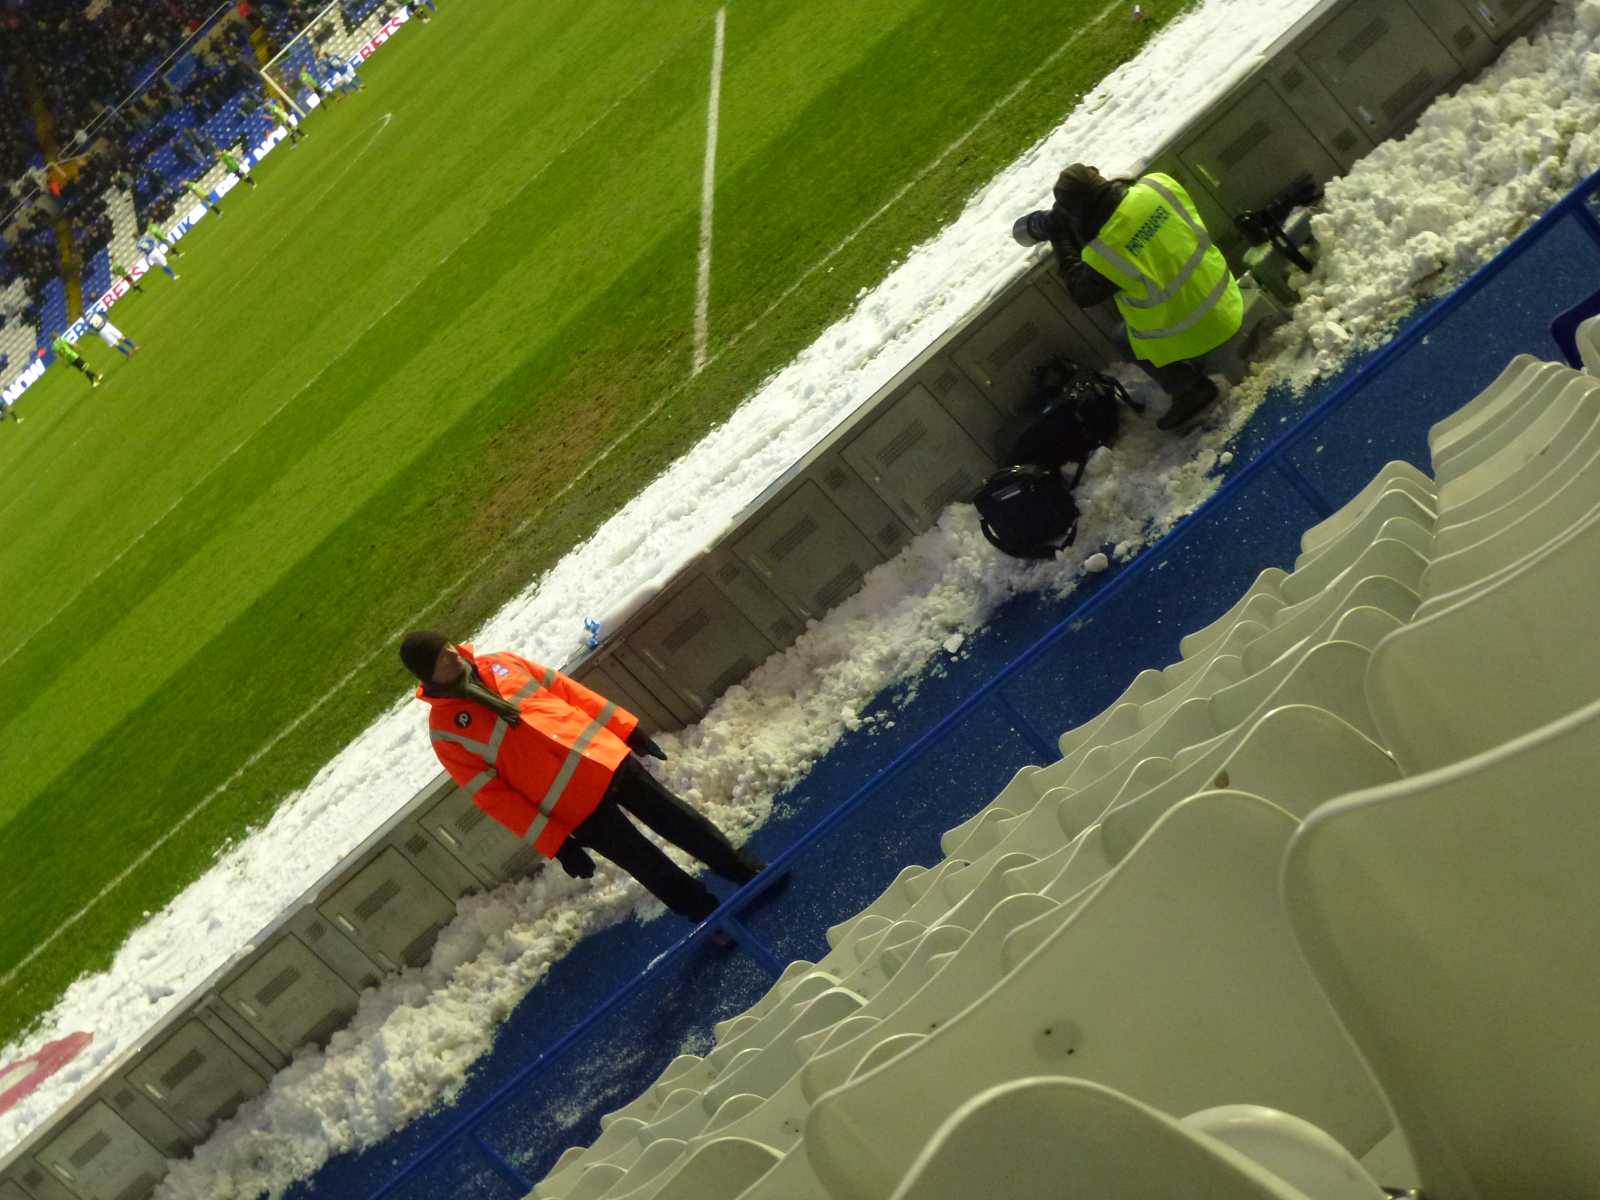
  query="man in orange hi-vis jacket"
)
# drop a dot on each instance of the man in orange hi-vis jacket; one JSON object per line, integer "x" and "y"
{"x": 557, "y": 765}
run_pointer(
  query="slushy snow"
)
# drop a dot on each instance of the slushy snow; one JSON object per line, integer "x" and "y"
{"x": 417, "y": 1034}
{"x": 1417, "y": 215}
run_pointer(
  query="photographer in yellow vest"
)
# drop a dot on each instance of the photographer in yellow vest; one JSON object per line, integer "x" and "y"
{"x": 1141, "y": 242}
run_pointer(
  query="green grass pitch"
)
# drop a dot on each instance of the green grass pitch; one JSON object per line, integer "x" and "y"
{"x": 463, "y": 284}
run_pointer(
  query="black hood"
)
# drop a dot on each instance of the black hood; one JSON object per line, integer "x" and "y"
{"x": 1085, "y": 200}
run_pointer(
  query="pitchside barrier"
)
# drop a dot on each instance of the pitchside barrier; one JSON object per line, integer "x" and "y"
{"x": 1352, "y": 73}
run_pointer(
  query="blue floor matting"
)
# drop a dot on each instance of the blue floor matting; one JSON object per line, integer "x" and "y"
{"x": 624, "y": 1002}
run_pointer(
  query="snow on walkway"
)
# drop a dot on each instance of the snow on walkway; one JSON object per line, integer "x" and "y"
{"x": 1419, "y": 214}
{"x": 1480, "y": 166}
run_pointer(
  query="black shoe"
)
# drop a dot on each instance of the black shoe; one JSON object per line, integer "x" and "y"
{"x": 1189, "y": 405}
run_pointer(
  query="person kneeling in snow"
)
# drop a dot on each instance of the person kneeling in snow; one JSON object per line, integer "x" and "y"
{"x": 1142, "y": 243}
{"x": 558, "y": 765}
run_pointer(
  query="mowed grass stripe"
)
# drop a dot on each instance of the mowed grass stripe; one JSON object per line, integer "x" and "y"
{"x": 595, "y": 365}
{"x": 265, "y": 338}
{"x": 301, "y": 477}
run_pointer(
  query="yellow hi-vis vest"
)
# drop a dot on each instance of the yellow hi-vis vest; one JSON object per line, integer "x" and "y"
{"x": 1177, "y": 296}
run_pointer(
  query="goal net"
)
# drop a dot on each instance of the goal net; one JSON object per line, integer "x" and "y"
{"x": 312, "y": 65}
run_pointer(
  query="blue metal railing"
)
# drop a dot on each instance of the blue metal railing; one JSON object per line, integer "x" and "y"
{"x": 1274, "y": 461}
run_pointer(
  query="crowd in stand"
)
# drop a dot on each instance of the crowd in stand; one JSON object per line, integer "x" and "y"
{"x": 82, "y": 63}
{"x": 82, "y": 201}
{"x": 36, "y": 255}
{"x": 14, "y": 148}
{"x": 86, "y": 64}
{"x": 93, "y": 69}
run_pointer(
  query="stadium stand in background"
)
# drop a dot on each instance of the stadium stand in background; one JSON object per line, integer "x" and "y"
{"x": 105, "y": 110}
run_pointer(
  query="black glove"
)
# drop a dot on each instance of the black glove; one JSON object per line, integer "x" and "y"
{"x": 640, "y": 743}
{"x": 575, "y": 860}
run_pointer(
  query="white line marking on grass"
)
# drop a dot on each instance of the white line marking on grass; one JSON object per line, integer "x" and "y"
{"x": 405, "y": 295}
{"x": 578, "y": 477}
{"x": 334, "y": 182}
{"x": 992, "y": 112}
{"x": 311, "y": 206}
{"x": 205, "y": 802}
{"x": 708, "y": 191}
{"x": 189, "y": 491}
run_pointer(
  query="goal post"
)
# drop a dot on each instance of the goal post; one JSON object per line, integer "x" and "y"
{"x": 342, "y": 35}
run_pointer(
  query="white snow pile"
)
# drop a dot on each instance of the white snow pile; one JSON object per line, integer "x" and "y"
{"x": 416, "y": 1035}
{"x": 1417, "y": 215}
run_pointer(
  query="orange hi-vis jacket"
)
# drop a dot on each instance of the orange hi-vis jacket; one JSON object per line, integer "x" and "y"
{"x": 543, "y": 776}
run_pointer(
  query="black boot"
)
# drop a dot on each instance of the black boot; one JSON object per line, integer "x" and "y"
{"x": 1186, "y": 406}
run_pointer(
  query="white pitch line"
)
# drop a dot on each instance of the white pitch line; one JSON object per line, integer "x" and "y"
{"x": 583, "y": 473}
{"x": 189, "y": 491}
{"x": 405, "y": 295}
{"x": 708, "y": 191}
{"x": 205, "y": 802}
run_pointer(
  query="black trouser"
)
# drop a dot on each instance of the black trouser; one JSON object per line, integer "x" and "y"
{"x": 1175, "y": 378}
{"x": 609, "y": 833}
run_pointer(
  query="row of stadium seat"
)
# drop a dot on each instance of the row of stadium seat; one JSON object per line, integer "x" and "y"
{"x": 1376, "y": 764}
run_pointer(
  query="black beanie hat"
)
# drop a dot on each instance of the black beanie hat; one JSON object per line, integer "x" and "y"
{"x": 1078, "y": 184}
{"x": 420, "y": 652}
{"x": 1086, "y": 199}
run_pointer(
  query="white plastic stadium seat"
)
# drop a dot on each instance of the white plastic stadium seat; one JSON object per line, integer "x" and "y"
{"x": 1022, "y": 1140}
{"x": 1453, "y": 919}
{"x": 1492, "y": 395}
{"x": 1264, "y": 590}
{"x": 1588, "y": 339}
{"x": 652, "y": 1152}
{"x": 1164, "y": 690}
{"x": 1200, "y": 737}
{"x": 1306, "y": 756}
{"x": 723, "y": 1167}
{"x": 1295, "y": 1151}
{"x": 1394, "y": 476}
{"x": 1559, "y": 420}
{"x": 1339, "y": 552}
{"x": 1131, "y": 724}
{"x": 670, "y": 1106}
{"x": 1473, "y": 564}
{"x": 1303, "y": 754}
{"x": 1528, "y": 489}
{"x": 1177, "y": 980}
{"x": 1329, "y": 676}
{"x": 1395, "y": 516}
{"x": 1147, "y": 685}
{"x": 594, "y": 1181}
{"x": 1521, "y": 404}
{"x": 1519, "y": 379}
{"x": 1299, "y": 755}
{"x": 1506, "y": 659}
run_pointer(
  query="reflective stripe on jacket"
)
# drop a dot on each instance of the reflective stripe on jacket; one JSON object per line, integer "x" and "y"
{"x": 540, "y": 778}
{"x": 1177, "y": 295}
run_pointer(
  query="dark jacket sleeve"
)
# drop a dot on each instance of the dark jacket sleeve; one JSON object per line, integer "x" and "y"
{"x": 1086, "y": 285}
